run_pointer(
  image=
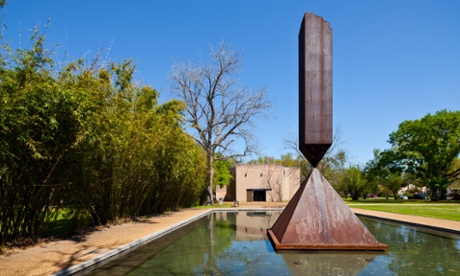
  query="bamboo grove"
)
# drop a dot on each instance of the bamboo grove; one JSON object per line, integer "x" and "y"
{"x": 86, "y": 143}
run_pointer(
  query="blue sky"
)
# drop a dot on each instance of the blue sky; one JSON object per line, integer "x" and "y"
{"x": 394, "y": 60}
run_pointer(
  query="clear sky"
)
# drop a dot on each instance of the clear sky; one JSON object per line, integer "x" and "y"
{"x": 393, "y": 60}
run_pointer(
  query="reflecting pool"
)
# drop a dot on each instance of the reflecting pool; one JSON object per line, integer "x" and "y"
{"x": 235, "y": 243}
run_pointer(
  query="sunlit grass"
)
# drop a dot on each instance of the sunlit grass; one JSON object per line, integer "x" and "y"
{"x": 429, "y": 210}
{"x": 392, "y": 201}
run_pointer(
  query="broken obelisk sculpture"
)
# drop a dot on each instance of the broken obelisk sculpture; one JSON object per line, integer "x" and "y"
{"x": 317, "y": 218}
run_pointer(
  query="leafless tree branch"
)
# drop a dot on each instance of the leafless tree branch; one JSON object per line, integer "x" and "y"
{"x": 217, "y": 108}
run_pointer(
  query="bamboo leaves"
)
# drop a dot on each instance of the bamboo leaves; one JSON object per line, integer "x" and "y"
{"x": 89, "y": 142}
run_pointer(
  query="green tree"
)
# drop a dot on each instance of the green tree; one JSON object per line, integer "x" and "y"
{"x": 427, "y": 149}
{"x": 38, "y": 130}
{"x": 222, "y": 167}
{"x": 381, "y": 172}
{"x": 89, "y": 140}
{"x": 456, "y": 183}
{"x": 287, "y": 160}
{"x": 354, "y": 181}
{"x": 264, "y": 160}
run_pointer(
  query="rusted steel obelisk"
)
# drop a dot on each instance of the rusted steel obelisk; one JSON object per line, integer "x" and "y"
{"x": 316, "y": 218}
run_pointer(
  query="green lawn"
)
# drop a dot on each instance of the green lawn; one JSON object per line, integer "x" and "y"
{"x": 398, "y": 201}
{"x": 431, "y": 210}
{"x": 449, "y": 210}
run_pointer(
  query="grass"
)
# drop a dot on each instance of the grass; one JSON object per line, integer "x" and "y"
{"x": 449, "y": 211}
{"x": 397, "y": 201}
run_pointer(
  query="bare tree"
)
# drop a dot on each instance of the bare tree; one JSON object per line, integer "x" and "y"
{"x": 274, "y": 182}
{"x": 336, "y": 155}
{"x": 217, "y": 108}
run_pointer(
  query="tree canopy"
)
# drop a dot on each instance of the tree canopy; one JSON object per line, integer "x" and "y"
{"x": 427, "y": 148}
{"x": 384, "y": 174}
{"x": 88, "y": 142}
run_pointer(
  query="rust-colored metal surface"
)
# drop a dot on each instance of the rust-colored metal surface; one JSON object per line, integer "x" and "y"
{"x": 317, "y": 218}
{"x": 315, "y": 87}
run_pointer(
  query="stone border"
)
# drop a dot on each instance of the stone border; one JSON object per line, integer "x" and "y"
{"x": 108, "y": 256}
{"x": 411, "y": 223}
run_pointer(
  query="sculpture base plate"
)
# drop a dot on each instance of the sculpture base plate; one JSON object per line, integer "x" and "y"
{"x": 324, "y": 247}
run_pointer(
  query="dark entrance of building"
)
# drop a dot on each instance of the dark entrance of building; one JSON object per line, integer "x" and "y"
{"x": 260, "y": 196}
{"x": 257, "y": 194}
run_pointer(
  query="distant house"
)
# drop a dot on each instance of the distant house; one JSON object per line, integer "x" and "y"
{"x": 261, "y": 182}
{"x": 452, "y": 191}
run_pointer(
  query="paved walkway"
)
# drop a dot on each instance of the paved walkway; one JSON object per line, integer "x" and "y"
{"x": 439, "y": 224}
{"x": 52, "y": 257}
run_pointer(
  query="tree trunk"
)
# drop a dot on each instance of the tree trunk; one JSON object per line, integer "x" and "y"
{"x": 210, "y": 192}
{"x": 210, "y": 196}
{"x": 354, "y": 194}
{"x": 434, "y": 194}
{"x": 443, "y": 194}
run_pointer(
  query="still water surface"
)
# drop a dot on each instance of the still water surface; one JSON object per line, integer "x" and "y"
{"x": 231, "y": 243}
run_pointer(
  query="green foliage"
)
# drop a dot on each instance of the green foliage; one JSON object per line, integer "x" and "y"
{"x": 285, "y": 159}
{"x": 222, "y": 174}
{"x": 89, "y": 140}
{"x": 264, "y": 160}
{"x": 333, "y": 167}
{"x": 423, "y": 209}
{"x": 427, "y": 148}
{"x": 354, "y": 181}
{"x": 382, "y": 173}
{"x": 37, "y": 128}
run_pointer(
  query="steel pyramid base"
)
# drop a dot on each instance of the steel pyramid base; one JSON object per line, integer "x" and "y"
{"x": 317, "y": 218}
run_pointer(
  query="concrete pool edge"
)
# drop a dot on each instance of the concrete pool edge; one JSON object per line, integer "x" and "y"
{"x": 108, "y": 256}
{"x": 128, "y": 247}
{"x": 448, "y": 226}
